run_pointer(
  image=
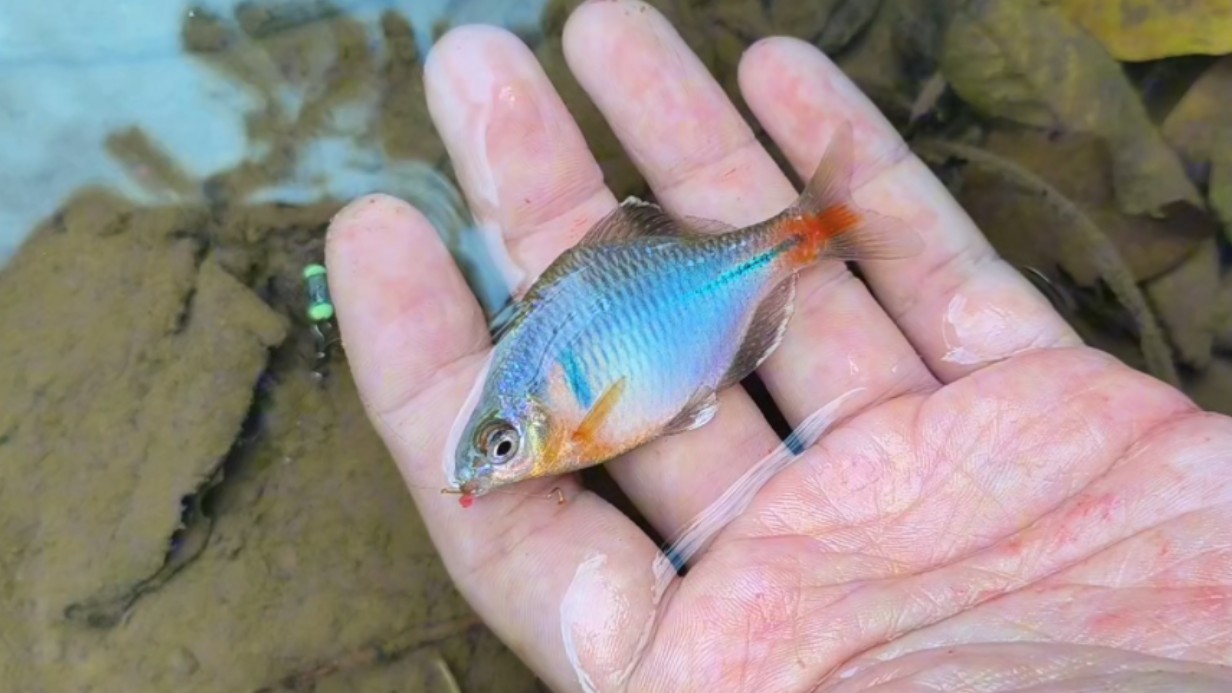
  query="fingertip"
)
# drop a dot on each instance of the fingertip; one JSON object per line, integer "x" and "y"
{"x": 466, "y": 62}
{"x": 766, "y": 63}
{"x": 463, "y": 71}
{"x": 579, "y": 31}
{"x": 366, "y": 229}
{"x": 770, "y": 51}
{"x": 604, "y": 34}
{"x": 364, "y": 210}
{"x": 461, "y": 41}
{"x": 403, "y": 306}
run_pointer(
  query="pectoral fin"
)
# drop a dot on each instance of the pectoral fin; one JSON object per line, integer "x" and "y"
{"x": 697, "y": 413}
{"x": 587, "y": 432}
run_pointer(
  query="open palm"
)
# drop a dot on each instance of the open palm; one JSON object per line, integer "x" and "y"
{"x": 998, "y": 508}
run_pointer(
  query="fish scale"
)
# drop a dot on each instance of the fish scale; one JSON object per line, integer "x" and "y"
{"x": 658, "y": 297}
{"x": 629, "y": 336}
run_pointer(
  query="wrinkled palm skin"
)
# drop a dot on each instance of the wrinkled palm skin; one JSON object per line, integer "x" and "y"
{"x": 999, "y": 507}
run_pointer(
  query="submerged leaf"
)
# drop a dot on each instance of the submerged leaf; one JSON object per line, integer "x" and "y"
{"x": 847, "y": 20}
{"x": 1135, "y": 31}
{"x": 892, "y": 58}
{"x": 1194, "y": 126}
{"x": 1221, "y": 318}
{"x": 1221, "y": 193}
{"x": 1078, "y": 167}
{"x": 1032, "y": 224}
{"x": 1023, "y": 61}
{"x": 1185, "y": 302}
{"x": 1212, "y": 389}
{"x": 830, "y": 24}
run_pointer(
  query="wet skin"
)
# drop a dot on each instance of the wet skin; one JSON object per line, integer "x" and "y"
{"x": 1000, "y": 507}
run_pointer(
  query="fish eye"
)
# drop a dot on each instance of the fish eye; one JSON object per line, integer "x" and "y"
{"x": 500, "y": 442}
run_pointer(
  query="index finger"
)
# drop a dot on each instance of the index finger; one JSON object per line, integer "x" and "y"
{"x": 416, "y": 341}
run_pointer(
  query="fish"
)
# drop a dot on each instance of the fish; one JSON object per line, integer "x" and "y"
{"x": 631, "y": 334}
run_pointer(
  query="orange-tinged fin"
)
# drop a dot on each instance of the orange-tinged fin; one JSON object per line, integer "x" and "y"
{"x": 827, "y": 222}
{"x": 588, "y": 431}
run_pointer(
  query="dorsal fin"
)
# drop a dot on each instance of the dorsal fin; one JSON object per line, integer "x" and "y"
{"x": 636, "y": 217}
{"x": 698, "y": 226}
{"x": 765, "y": 331}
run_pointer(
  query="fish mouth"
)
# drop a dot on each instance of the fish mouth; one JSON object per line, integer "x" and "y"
{"x": 476, "y": 485}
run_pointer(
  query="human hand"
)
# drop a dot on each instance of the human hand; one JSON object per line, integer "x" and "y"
{"x": 999, "y": 507}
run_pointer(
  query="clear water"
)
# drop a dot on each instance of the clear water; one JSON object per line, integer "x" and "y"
{"x": 73, "y": 72}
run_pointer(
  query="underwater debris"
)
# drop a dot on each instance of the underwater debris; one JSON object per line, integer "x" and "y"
{"x": 1025, "y": 62}
{"x": 1086, "y": 236}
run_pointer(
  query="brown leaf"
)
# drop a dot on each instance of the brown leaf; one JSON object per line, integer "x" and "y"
{"x": 1032, "y": 224}
{"x": 1136, "y": 31}
{"x": 896, "y": 53}
{"x": 1024, "y": 61}
{"x": 829, "y": 23}
{"x": 845, "y": 21}
{"x": 1195, "y": 124}
{"x": 1212, "y": 389}
{"x": 1184, "y": 299}
{"x": 752, "y": 20}
{"x": 1221, "y": 315}
{"x": 1220, "y": 192}
{"x": 1078, "y": 166}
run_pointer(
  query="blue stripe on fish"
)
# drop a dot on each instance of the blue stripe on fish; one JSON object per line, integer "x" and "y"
{"x": 576, "y": 380}
{"x": 752, "y": 264}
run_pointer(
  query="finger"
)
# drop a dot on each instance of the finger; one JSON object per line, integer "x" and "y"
{"x": 524, "y": 166}
{"x": 702, "y": 160}
{"x": 415, "y": 340}
{"x": 521, "y": 160}
{"x": 959, "y": 303}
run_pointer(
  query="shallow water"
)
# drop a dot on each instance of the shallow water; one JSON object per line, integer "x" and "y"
{"x": 74, "y": 72}
{"x": 266, "y": 541}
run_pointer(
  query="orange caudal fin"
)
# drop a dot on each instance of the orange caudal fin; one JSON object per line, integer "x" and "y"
{"x": 829, "y": 224}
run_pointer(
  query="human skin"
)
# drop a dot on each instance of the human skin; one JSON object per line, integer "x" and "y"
{"x": 998, "y": 508}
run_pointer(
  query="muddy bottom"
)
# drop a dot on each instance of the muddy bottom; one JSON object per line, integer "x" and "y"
{"x": 185, "y": 504}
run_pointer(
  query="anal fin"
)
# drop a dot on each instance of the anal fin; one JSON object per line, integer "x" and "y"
{"x": 701, "y": 408}
{"x": 765, "y": 331}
